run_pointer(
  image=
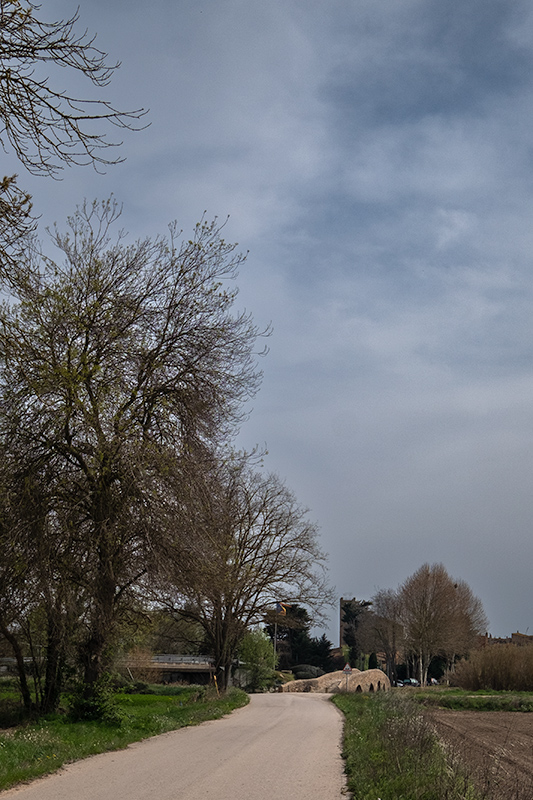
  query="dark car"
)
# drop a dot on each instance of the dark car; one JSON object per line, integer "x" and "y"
{"x": 411, "y": 682}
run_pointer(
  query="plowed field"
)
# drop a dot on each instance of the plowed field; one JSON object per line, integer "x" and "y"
{"x": 497, "y": 746}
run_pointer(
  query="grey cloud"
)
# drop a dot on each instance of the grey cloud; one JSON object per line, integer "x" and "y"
{"x": 426, "y": 59}
{"x": 375, "y": 157}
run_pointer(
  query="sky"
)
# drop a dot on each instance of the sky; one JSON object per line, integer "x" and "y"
{"x": 375, "y": 157}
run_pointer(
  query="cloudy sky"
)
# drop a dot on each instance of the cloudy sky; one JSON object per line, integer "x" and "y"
{"x": 376, "y": 159}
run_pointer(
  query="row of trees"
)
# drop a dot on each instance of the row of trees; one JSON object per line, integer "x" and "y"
{"x": 431, "y": 615}
{"x": 124, "y": 372}
{"x": 122, "y": 376}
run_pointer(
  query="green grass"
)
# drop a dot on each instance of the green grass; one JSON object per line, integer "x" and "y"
{"x": 31, "y": 750}
{"x": 392, "y": 752}
{"x": 464, "y": 700}
{"x": 11, "y": 709}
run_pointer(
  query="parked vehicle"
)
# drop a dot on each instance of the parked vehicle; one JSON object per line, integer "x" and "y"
{"x": 411, "y": 682}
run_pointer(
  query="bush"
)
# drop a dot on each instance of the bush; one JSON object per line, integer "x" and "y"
{"x": 285, "y": 676}
{"x": 257, "y": 653}
{"x": 138, "y": 687}
{"x": 502, "y": 667}
{"x": 96, "y": 702}
{"x": 138, "y": 665}
{"x": 303, "y": 672}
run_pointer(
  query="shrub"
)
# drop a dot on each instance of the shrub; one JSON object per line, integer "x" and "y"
{"x": 137, "y": 664}
{"x": 96, "y": 702}
{"x": 257, "y": 653}
{"x": 285, "y": 676}
{"x": 502, "y": 667}
{"x": 304, "y": 672}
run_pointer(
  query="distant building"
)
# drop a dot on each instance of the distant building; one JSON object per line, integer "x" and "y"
{"x": 521, "y": 639}
{"x": 518, "y": 639}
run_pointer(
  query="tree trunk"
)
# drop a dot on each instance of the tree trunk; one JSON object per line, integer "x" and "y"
{"x": 96, "y": 648}
{"x": 424, "y": 666}
{"x": 54, "y": 665}
{"x": 19, "y": 658}
{"x": 92, "y": 659}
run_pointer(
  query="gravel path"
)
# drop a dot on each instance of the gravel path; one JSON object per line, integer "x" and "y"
{"x": 280, "y": 746}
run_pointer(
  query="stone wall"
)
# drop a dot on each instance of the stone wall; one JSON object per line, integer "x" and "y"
{"x": 371, "y": 680}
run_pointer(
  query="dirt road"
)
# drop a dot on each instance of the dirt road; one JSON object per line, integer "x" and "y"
{"x": 496, "y": 745}
{"x": 281, "y": 745}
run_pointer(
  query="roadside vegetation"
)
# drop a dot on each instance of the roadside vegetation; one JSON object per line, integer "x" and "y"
{"x": 391, "y": 750}
{"x": 33, "y": 749}
{"x": 464, "y": 700}
{"x": 502, "y": 667}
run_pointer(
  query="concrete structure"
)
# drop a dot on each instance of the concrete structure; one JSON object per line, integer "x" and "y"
{"x": 170, "y": 668}
{"x": 370, "y": 680}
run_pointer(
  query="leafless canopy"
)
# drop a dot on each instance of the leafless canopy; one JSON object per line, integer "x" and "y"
{"x": 46, "y": 125}
{"x": 440, "y": 616}
{"x": 386, "y": 627}
{"x": 242, "y": 542}
{"x": 431, "y": 614}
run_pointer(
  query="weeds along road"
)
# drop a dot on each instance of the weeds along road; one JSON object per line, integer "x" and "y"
{"x": 280, "y": 745}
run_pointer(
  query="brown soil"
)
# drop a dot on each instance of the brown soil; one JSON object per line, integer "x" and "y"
{"x": 496, "y": 746}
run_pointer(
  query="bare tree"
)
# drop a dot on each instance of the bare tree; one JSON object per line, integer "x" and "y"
{"x": 242, "y": 542}
{"x": 109, "y": 361}
{"x": 469, "y": 622}
{"x": 439, "y": 615}
{"x": 46, "y": 126}
{"x": 386, "y": 627}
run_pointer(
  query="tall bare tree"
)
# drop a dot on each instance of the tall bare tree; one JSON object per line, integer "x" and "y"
{"x": 469, "y": 621}
{"x": 386, "y": 628}
{"x": 440, "y": 616}
{"x": 242, "y": 543}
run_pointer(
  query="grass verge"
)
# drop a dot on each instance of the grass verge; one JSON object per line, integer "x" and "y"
{"x": 391, "y": 751}
{"x": 464, "y": 700}
{"x": 36, "y": 749}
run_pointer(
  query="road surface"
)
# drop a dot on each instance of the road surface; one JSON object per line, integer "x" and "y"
{"x": 284, "y": 746}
